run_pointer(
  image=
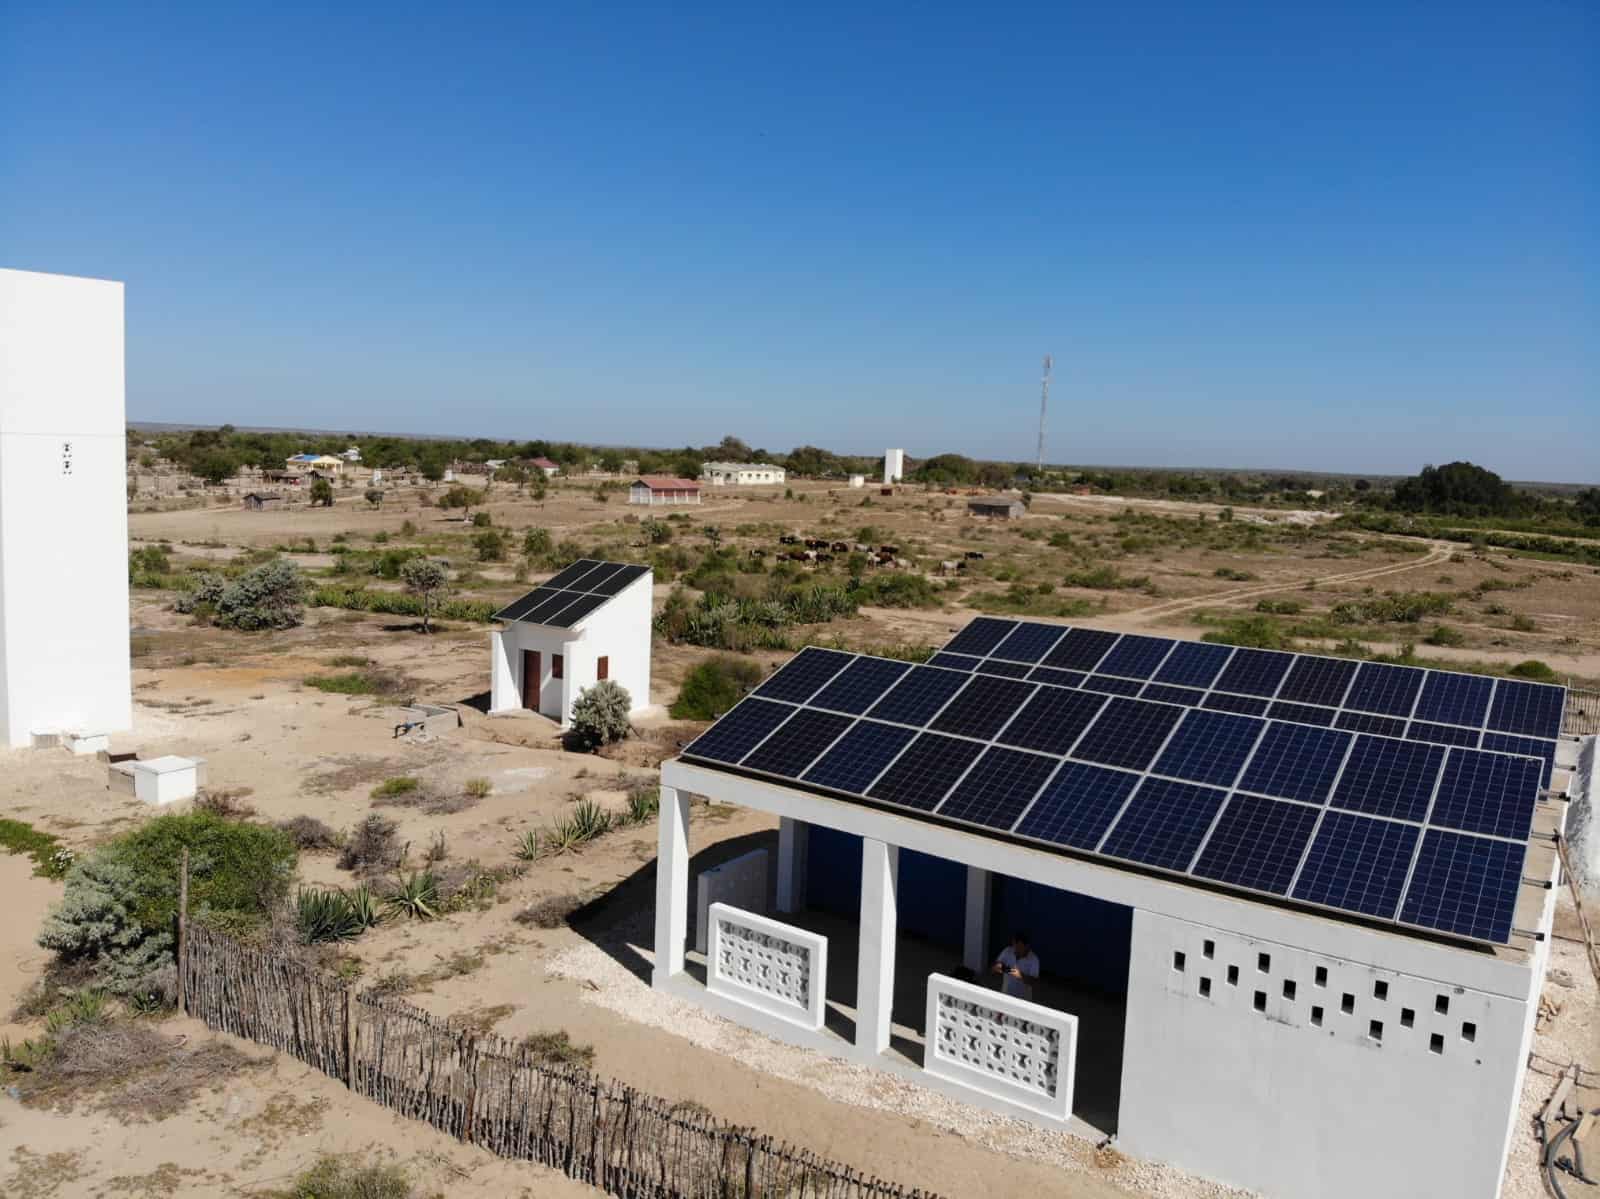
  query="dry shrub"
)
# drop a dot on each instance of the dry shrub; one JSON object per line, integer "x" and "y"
{"x": 557, "y": 1048}
{"x": 373, "y": 847}
{"x": 130, "y": 1069}
{"x": 228, "y": 804}
{"x": 551, "y": 911}
{"x": 309, "y": 833}
{"x": 428, "y": 799}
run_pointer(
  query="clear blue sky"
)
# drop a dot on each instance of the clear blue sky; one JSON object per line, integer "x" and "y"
{"x": 1341, "y": 236}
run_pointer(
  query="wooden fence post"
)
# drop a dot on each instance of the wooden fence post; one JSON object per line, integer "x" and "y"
{"x": 183, "y": 933}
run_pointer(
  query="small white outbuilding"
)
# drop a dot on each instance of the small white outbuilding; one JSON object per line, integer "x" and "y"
{"x": 587, "y": 623}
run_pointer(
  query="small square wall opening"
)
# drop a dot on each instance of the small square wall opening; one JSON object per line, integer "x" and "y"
{"x": 1233, "y": 976}
{"x": 1441, "y": 1004}
{"x": 1209, "y": 949}
{"x": 1261, "y": 1001}
{"x": 1205, "y": 988}
{"x": 1264, "y": 962}
{"x": 1321, "y": 978}
{"x": 1436, "y": 1043}
{"x": 1288, "y": 988}
{"x": 1347, "y": 1003}
{"x": 1407, "y": 1017}
{"x": 1177, "y": 960}
{"x": 1469, "y": 1031}
{"x": 1316, "y": 1016}
{"x": 1375, "y": 1030}
{"x": 1380, "y": 989}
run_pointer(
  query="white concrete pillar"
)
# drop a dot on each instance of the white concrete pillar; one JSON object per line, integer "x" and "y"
{"x": 880, "y": 872}
{"x": 503, "y": 675}
{"x": 975, "y": 945}
{"x": 672, "y": 885}
{"x": 794, "y": 842}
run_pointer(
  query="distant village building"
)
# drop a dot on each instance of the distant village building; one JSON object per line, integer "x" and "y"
{"x": 742, "y": 474}
{"x": 858, "y": 480}
{"x": 352, "y": 455}
{"x": 548, "y": 467}
{"x": 258, "y": 500}
{"x": 663, "y": 489}
{"x": 997, "y": 507}
{"x": 894, "y": 466}
{"x": 314, "y": 464}
{"x": 587, "y": 623}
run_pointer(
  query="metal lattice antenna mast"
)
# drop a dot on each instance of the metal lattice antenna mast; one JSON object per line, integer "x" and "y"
{"x": 1044, "y": 402}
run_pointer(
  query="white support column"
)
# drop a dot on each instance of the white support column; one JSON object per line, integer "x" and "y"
{"x": 880, "y": 870}
{"x": 794, "y": 840}
{"x": 672, "y": 885}
{"x": 980, "y": 889}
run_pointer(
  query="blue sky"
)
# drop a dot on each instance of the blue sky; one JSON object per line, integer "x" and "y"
{"x": 1350, "y": 237}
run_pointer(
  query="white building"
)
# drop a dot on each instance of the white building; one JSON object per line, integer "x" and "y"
{"x": 589, "y": 622}
{"x": 64, "y": 663}
{"x": 894, "y": 466}
{"x": 1344, "y": 1027}
{"x": 742, "y": 474}
{"x": 663, "y": 489}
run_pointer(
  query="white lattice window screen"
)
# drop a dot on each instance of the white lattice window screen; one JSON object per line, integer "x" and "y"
{"x": 1006, "y": 1047}
{"x": 764, "y": 962}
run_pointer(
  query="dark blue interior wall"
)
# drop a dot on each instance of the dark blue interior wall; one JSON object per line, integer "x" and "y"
{"x": 1076, "y": 937}
{"x": 833, "y": 872}
{"x": 932, "y": 898}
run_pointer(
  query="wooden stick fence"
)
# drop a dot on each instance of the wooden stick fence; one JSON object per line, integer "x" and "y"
{"x": 487, "y": 1091}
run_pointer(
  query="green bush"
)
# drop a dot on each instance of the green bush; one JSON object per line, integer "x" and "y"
{"x": 1445, "y": 635}
{"x": 340, "y": 1178}
{"x": 1407, "y": 607}
{"x": 270, "y": 596}
{"x": 1280, "y": 607}
{"x": 1534, "y": 669}
{"x": 389, "y": 788}
{"x": 895, "y": 590}
{"x": 600, "y": 714}
{"x": 490, "y": 544}
{"x": 50, "y": 859}
{"x": 396, "y": 603}
{"x": 120, "y": 906}
{"x": 714, "y": 686}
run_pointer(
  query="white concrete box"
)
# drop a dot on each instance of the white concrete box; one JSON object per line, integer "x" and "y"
{"x": 1000, "y": 1046}
{"x": 166, "y": 780}
{"x": 740, "y": 882}
{"x": 769, "y": 966}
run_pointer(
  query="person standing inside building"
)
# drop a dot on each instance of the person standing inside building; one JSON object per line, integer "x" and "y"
{"x": 1018, "y": 967}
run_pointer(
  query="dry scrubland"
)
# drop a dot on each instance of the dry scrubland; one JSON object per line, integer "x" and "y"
{"x": 233, "y": 1119}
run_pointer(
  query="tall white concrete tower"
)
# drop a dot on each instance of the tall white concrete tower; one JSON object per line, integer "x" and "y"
{"x": 894, "y": 466}
{"x": 63, "y": 509}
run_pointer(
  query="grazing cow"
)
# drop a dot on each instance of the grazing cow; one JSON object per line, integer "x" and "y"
{"x": 824, "y": 556}
{"x": 840, "y": 547}
{"x": 788, "y": 539}
{"x": 891, "y": 550}
{"x": 974, "y": 556}
{"x": 949, "y": 567}
{"x": 758, "y": 552}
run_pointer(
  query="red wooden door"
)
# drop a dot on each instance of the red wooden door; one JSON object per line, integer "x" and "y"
{"x": 531, "y": 668}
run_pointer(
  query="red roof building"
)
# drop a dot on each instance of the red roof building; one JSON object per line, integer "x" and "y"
{"x": 663, "y": 489}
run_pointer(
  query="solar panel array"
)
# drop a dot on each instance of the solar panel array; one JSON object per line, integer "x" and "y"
{"x": 578, "y": 590}
{"x": 1412, "y": 831}
{"x": 1410, "y": 702}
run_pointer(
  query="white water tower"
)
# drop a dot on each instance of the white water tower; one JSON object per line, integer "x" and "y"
{"x": 64, "y": 670}
{"x": 894, "y": 466}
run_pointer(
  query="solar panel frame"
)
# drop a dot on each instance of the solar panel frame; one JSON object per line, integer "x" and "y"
{"x": 1256, "y": 843}
{"x": 979, "y": 636}
{"x": 859, "y": 685}
{"x": 1454, "y": 698}
{"x": 1164, "y": 823}
{"x": 1385, "y": 689}
{"x": 1465, "y": 885}
{"x": 1135, "y": 656}
{"x": 1028, "y": 643}
{"x": 803, "y": 675}
{"x": 1527, "y": 709}
{"x": 1357, "y": 864}
{"x": 587, "y": 577}
{"x": 998, "y": 788}
{"x": 983, "y": 707}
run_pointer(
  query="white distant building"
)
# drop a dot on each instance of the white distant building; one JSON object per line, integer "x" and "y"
{"x": 894, "y": 466}
{"x": 858, "y": 480}
{"x": 64, "y": 664}
{"x": 742, "y": 474}
{"x": 352, "y": 455}
{"x": 589, "y": 622}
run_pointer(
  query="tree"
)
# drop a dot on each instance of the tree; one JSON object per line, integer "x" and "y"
{"x": 600, "y": 714}
{"x": 713, "y": 535}
{"x": 322, "y": 493}
{"x": 374, "y": 497}
{"x": 659, "y": 532}
{"x": 491, "y": 545}
{"x": 536, "y": 543}
{"x": 427, "y": 580}
{"x": 461, "y": 497}
{"x": 269, "y": 597}
{"x": 1457, "y": 489}
{"x": 714, "y": 686}
{"x": 214, "y": 465}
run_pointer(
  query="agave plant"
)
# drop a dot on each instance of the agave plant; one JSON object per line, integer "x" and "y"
{"x": 416, "y": 895}
{"x": 643, "y": 804}
{"x": 591, "y": 820}
{"x": 527, "y": 848}
{"x": 324, "y": 915}
{"x": 365, "y": 909}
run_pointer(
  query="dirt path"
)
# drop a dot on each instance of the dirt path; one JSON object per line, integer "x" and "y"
{"x": 28, "y": 897}
{"x": 1439, "y": 552}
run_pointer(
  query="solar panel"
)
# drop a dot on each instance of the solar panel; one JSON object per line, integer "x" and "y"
{"x": 920, "y": 693}
{"x": 998, "y": 788}
{"x": 1318, "y": 681}
{"x": 1209, "y": 747}
{"x": 1254, "y": 672}
{"x": 1194, "y": 664}
{"x": 1080, "y": 649}
{"x": 1488, "y": 793}
{"x": 1357, "y": 864}
{"x": 1164, "y": 823}
{"x": 1052, "y": 720}
{"x": 1465, "y": 885}
{"x": 859, "y": 756}
{"x": 1028, "y": 643}
{"x": 1173, "y": 779}
{"x": 1389, "y": 778}
{"x": 740, "y": 731}
{"x": 1454, "y": 699}
{"x": 1296, "y": 763}
{"x": 922, "y": 774}
{"x": 804, "y": 736}
{"x": 982, "y": 635}
{"x": 954, "y": 661}
{"x": 858, "y": 686}
{"x": 1385, "y": 689}
{"x": 983, "y": 706}
{"x": 1531, "y": 709}
{"x": 1135, "y": 657}
{"x": 1128, "y": 733}
{"x": 571, "y": 594}
{"x": 803, "y": 675}
{"x": 1078, "y": 805}
{"x": 1257, "y": 843}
